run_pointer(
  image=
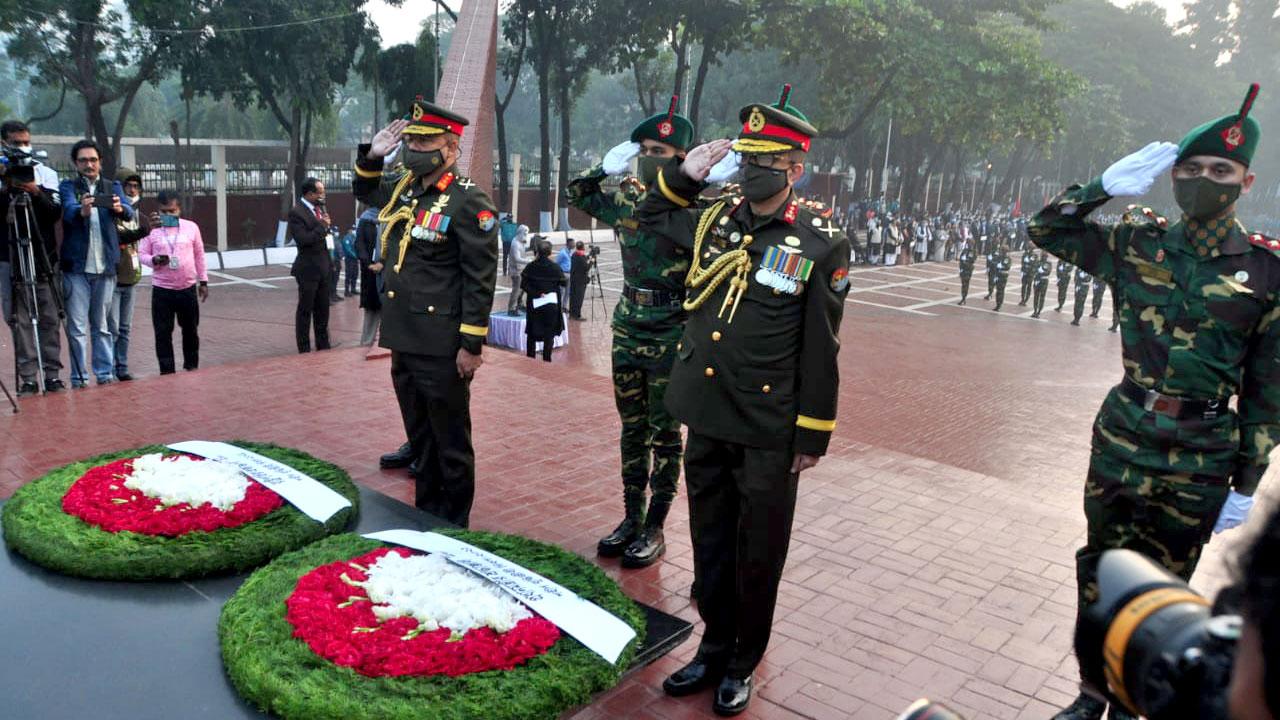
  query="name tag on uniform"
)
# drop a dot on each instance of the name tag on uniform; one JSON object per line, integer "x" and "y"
{"x": 1155, "y": 272}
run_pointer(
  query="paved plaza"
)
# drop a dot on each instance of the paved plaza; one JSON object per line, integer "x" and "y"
{"x": 933, "y": 546}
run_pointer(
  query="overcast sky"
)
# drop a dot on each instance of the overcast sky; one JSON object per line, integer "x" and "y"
{"x": 400, "y": 25}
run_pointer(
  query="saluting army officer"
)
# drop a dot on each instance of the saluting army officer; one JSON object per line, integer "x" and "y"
{"x": 647, "y": 323}
{"x": 1199, "y": 323}
{"x": 755, "y": 378}
{"x": 440, "y": 248}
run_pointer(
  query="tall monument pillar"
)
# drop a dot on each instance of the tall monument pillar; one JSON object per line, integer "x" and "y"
{"x": 467, "y": 86}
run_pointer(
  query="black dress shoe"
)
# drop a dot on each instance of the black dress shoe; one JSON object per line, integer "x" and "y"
{"x": 124, "y": 377}
{"x": 646, "y": 549}
{"x": 732, "y": 696}
{"x": 402, "y": 457}
{"x": 616, "y": 542}
{"x": 28, "y": 388}
{"x": 695, "y": 677}
{"x": 54, "y": 385}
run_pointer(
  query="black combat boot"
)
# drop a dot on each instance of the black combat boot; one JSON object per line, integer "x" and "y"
{"x": 400, "y": 457}
{"x": 649, "y": 546}
{"x": 1085, "y": 707}
{"x": 616, "y": 542}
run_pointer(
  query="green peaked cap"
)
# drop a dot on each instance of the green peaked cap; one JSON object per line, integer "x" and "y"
{"x": 667, "y": 127}
{"x": 1234, "y": 137}
{"x": 773, "y": 128}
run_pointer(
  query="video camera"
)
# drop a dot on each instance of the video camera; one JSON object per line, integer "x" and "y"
{"x": 593, "y": 251}
{"x": 1153, "y": 645}
{"x": 18, "y": 167}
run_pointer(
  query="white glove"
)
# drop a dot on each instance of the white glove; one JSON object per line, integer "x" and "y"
{"x": 1234, "y": 511}
{"x": 1133, "y": 174}
{"x": 725, "y": 169}
{"x": 618, "y": 160}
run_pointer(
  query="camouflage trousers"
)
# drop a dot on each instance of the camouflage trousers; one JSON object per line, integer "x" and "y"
{"x": 1155, "y": 485}
{"x": 650, "y": 441}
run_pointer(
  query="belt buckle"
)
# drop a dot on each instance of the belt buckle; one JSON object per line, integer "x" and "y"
{"x": 644, "y": 296}
{"x": 1149, "y": 400}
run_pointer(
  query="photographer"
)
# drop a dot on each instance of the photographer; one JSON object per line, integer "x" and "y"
{"x": 1254, "y": 693}
{"x": 174, "y": 249}
{"x": 91, "y": 205}
{"x": 579, "y": 276}
{"x": 17, "y": 136}
{"x": 35, "y": 214}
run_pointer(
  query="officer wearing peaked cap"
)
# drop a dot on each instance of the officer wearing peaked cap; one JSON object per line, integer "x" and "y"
{"x": 647, "y": 323}
{"x": 755, "y": 377}
{"x": 440, "y": 248}
{"x": 1199, "y": 304}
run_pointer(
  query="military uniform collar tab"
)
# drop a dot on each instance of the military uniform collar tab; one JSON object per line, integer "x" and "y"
{"x": 791, "y": 211}
{"x": 445, "y": 181}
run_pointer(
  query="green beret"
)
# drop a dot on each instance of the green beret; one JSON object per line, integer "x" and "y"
{"x": 1234, "y": 137}
{"x": 773, "y": 128}
{"x": 667, "y": 127}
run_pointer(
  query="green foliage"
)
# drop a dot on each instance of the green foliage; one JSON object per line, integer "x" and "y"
{"x": 282, "y": 676}
{"x": 36, "y": 527}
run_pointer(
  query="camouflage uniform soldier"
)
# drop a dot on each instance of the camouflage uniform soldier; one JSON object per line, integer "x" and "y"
{"x": 647, "y": 323}
{"x": 1199, "y": 322}
{"x": 1099, "y": 292}
{"x": 1083, "y": 280}
{"x": 1028, "y": 268}
{"x": 967, "y": 258}
{"x": 1043, "y": 270}
{"x": 991, "y": 273}
{"x": 999, "y": 269}
{"x": 1064, "y": 283}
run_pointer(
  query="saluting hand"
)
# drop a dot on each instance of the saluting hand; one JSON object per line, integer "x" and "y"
{"x": 698, "y": 163}
{"x": 1134, "y": 174}
{"x": 387, "y": 138}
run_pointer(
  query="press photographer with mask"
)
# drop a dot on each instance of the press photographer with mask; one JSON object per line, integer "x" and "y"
{"x": 28, "y": 210}
{"x": 174, "y": 250}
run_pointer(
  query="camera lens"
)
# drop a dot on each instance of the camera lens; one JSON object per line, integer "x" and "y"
{"x": 924, "y": 709}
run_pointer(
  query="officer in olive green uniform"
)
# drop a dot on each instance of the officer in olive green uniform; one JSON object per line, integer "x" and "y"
{"x": 968, "y": 256}
{"x": 755, "y": 379}
{"x": 1042, "y": 271}
{"x": 991, "y": 272}
{"x": 647, "y": 323}
{"x": 1028, "y": 269}
{"x": 1199, "y": 323}
{"x": 1064, "y": 283}
{"x": 440, "y": 244}
{"x": 1099, "y": 292}
{"x": 1083, "y": 281}
{"x": 999, "y": 269}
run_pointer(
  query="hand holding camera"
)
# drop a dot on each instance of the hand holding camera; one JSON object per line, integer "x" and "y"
{"x": 159, "y": 260}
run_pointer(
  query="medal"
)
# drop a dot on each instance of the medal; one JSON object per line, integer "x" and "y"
{"x": 1242, "y": 276}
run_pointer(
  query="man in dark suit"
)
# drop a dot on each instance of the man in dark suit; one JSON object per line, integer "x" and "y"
{"x": 309, "y": 228}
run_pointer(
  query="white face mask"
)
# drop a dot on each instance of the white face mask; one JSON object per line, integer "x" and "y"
{"x": 23, "y": 148}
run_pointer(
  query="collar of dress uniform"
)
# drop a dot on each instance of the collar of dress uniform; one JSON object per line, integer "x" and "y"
{"x": 1219, "y": 236}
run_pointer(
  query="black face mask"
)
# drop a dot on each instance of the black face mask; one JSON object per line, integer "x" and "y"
{"x": 423, "y": 163}
{"x": 759, "y": 183}
{"x": 647, "y": 168}
{"x": 1201, "y": 198}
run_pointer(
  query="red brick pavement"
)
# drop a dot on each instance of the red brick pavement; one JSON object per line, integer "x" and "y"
{"x": 932, "y": 552}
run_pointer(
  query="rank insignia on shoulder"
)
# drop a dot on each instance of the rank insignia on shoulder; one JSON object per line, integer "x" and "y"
{"x": 485, "y": 220}
{"x": 839, "y": 279}
{"x": 793, "y": 210}
{"x": 445, "y": 181}
{"x": 1263, "y": 241}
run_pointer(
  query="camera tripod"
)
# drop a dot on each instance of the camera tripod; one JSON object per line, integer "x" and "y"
{"x": 26, "y": 238}
{"x": 594, "y": 286}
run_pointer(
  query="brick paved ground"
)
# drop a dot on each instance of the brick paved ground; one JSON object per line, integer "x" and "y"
{"x": 932, "y": 553}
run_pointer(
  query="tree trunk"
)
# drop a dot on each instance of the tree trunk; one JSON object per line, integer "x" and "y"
{"x": 544, "y": 137}
{"x": 504, "y": 169}
{"x": 102, "y": 136}
{"x": 646, "y": 104}
{"x": 680, "y": 46}
{"x": 699, "y": 80}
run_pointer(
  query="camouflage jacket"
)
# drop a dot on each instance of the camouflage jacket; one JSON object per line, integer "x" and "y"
{"x": 1199, "y": 304}
{"x": 648, "y": 261}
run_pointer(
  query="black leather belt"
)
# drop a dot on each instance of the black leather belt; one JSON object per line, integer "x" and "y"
{"x": 1172, "y": 406}
{"x": 652, "y": 298}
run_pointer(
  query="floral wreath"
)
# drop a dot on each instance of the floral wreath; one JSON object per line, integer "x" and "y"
{"x": 112, "y": 516}
{"x": 309, "y": 636}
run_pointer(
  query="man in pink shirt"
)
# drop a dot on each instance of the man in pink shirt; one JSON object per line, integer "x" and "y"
{"x": 175, "y": 252}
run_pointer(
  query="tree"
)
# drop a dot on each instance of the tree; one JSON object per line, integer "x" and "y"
{"x": 87, "y": 46}
{"x": 268, "y": 67}
{"x": 510, "y": 64}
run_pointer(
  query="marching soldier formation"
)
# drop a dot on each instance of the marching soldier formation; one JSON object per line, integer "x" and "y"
{"x": 1043, "y": 269}
{"x": 1064, "y": 283}
{"x": 998, "y": 271}
{"x": 1028, "y": 270}
{"x": 1198, "y": 307}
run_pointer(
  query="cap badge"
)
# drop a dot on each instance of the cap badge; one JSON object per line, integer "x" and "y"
{"x": 755, "y": 123}
{"x": 1233, "y": 137}
{"x": 665, "y": 129}
{"x": 417, "y": 111}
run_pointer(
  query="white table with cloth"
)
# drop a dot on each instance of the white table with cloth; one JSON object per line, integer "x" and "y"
{"x": 508, "y": 331}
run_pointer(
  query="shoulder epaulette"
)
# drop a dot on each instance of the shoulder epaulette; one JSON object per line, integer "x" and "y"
{"x": 1136, "y": 215}
{"x": 1263, "y": 241}
{"x": 817, "y": 208}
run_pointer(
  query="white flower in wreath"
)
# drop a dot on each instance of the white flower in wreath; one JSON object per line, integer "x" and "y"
{"x": 181, "y": 479}
{"x": 439, "y": 594}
